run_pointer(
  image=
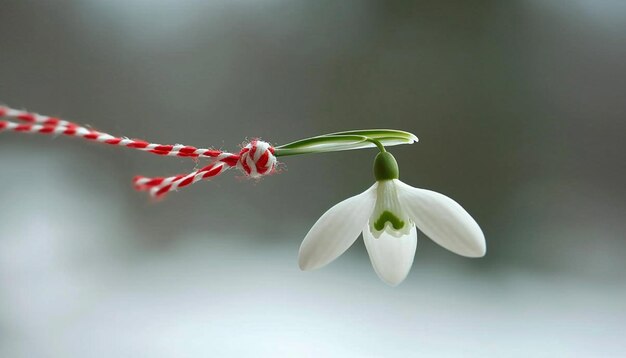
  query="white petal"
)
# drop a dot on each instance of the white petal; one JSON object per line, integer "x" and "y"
{"x": 392, "y": 257}
{"x": 336, "y": 230}
{"x": 443, "y": 220}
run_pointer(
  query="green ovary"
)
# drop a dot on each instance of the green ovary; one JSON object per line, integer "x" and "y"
{"x": 388, "y": 216}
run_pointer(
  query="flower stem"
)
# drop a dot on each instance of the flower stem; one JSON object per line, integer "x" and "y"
{"x": 380, "y": 146}
{"x": 347, "y": 140}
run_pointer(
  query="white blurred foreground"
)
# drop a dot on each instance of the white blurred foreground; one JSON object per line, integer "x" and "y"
{"x": 208, "y": 298}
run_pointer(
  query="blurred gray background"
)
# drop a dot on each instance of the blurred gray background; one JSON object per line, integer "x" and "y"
{"x": 520, "y": 111}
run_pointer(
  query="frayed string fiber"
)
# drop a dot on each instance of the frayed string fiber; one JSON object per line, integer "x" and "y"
{"x": 255, "y": 159}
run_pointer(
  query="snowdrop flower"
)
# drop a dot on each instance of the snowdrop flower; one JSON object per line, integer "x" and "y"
{"x": 387, "y": 214}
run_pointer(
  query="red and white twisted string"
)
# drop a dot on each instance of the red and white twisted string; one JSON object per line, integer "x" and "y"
{"x": 255, "y": 159}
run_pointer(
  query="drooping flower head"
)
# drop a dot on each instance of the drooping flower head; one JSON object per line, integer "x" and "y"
{"x": 387, "y": 215}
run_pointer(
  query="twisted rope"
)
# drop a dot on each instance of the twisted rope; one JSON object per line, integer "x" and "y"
{"x": 255, "y": 159}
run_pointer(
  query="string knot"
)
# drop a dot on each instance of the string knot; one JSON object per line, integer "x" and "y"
{"x": 257, "y": 159}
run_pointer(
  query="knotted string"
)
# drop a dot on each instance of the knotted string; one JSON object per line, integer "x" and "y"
{"x": 255, "y": 159}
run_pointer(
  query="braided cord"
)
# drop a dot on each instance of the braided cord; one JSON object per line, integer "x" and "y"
{"x": 256, "y": 159}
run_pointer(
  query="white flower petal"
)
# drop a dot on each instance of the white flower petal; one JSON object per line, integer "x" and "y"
{"x": 443, "y": 220}
{"x": 336, "y": 230}
{"x": 392, "y": 257}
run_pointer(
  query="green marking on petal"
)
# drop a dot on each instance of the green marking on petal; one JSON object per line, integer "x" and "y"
{"x": 388, "y": 216}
